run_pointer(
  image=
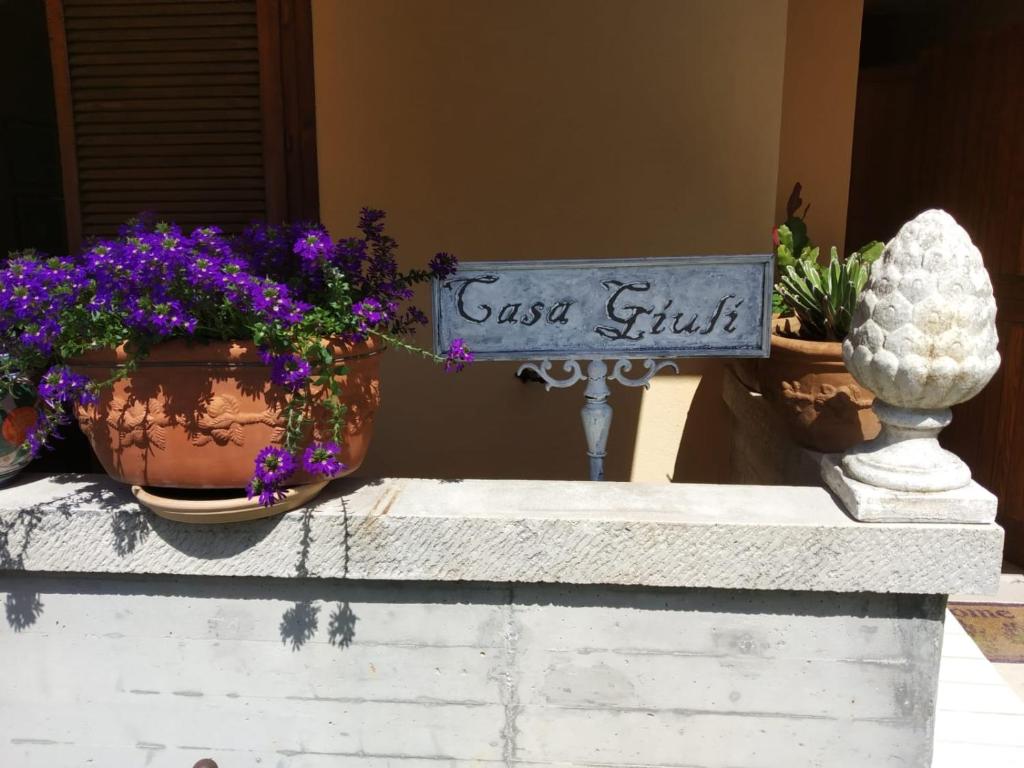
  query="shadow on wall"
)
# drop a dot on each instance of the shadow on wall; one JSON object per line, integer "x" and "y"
{"x": 300, "y": 622}
{"x": 532, "y": 433}
{"x": 23, "y": 606}
{"x": 131, "y": 525}
{"x": 707, "y": 436}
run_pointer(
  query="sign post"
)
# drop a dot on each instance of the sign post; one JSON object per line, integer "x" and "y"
{"x": 599, "y": 310}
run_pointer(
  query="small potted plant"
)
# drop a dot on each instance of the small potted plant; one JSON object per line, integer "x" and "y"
{"x": 17, "y": 415}
{"x": 204, "y": 361}
{"x": 805, "y": 378}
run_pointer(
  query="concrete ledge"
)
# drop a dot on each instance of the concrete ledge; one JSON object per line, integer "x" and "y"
{"x": 731, "y": 537}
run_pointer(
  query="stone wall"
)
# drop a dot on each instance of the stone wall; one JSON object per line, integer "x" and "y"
{"x": 126, "y": 671}
{"x": 406, "y": 622}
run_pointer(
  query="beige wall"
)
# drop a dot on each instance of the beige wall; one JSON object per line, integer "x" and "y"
{"x": 818, "y": 103}
{"x": 540, "y": 129}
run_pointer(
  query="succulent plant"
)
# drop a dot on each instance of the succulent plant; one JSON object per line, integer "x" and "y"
{"x": 823, "y": 296}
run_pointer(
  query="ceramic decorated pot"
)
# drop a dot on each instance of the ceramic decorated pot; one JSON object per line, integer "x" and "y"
{"x": 823, "y": 406}
{"x": 195, "y": 415}
{"x": 17, "y": 414}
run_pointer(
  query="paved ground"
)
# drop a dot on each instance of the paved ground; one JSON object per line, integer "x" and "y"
{"x": 980, "y": 719}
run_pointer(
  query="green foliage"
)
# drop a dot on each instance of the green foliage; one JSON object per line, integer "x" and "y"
{"x": 793, "y": 246}
{"x": 823, "y": 296}
{"x": 794, "y": 243}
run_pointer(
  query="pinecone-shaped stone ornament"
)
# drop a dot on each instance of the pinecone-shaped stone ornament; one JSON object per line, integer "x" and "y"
{"x": 923, "y": 339}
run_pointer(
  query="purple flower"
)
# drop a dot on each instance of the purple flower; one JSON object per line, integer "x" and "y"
{"x": 60, "y": 385}
{"x": 322, "y": 459}
{"x": 287, "y": 370}
{"x": 34, "y": 291}
{"x": 371, "y": 222}
{"x": 273, "y": 301}
{"x": 314, "y": 247}
{"x": 351, "y": 254}
{"x": 442, "y": 265}
{"x": 274, "y": 465}
{"x": 281, "y": 284}
{"x": 370, "y": 310}
{"x": 41, "y": 336}
{"x": 162, "y": 319}
{"x": 268, "y": 493}
{"x": 371, "y": 313}
{"x": 457, "y": 357}
{"x": 46, "y": 425}
{"x": 35, "y": 439}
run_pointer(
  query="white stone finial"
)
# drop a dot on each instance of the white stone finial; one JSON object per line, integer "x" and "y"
{"x": 923, "y": 339}
{"x": 924, "y": 333}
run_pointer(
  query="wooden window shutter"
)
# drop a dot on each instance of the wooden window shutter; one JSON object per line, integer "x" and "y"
{"x": 201, "y": 111}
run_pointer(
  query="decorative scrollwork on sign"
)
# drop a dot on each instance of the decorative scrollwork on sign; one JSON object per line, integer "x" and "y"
{"x": 596, "y": 413}
{"x": 623, "y": 366}
{"x": 543, "y": 370}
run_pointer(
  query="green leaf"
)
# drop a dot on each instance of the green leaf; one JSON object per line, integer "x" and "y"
{"x": 870, "y": 252}
{"x": 798, "y": 234}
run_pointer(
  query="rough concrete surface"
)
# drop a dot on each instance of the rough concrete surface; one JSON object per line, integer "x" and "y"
{"x": 671, "y": 535}
{"x": 133, "y": 671}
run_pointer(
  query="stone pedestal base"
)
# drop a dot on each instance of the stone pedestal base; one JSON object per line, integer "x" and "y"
{"x": 869, "y": 504}
{"x": 906, "y": 455}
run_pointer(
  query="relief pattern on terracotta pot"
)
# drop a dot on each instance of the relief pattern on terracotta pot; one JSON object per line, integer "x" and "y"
{"x": 826, "y": 398}
{"x": 144, "y": 424}
{"x": 222, "y": 419}
{"x": 139, "y": 423}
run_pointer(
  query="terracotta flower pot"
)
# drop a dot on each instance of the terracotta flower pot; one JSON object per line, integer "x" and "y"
{"x": 17, "y": 414}
{"x": 195, "y": 415}
{"x": 822, "y": 405}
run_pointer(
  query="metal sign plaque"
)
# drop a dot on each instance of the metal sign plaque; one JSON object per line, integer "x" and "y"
{"x": 688, "y": 306}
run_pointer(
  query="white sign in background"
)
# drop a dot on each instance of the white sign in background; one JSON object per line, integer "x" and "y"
{"x": 690, "y": 306}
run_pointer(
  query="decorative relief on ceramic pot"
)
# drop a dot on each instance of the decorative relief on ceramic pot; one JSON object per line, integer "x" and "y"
{"x": 222, "y": 419}
{"x": 144, "y": 424}
{"x": 139, "y": 423}
{"x": 808, "y": 405}
{"x": 923, "y": 339}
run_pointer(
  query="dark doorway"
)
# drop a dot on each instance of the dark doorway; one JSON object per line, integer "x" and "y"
{"x": 940, "y": 124}
{"x": 31, "y": 204}
{"x": 31, "y": 197}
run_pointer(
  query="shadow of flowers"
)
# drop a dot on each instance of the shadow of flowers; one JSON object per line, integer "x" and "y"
{"x": 23, "y": 607}
{"x": 341, "y": 629}
{"x": 130, "y": 528}
{"x": 299, "y": 623}
{"x": 19, "y": 528}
